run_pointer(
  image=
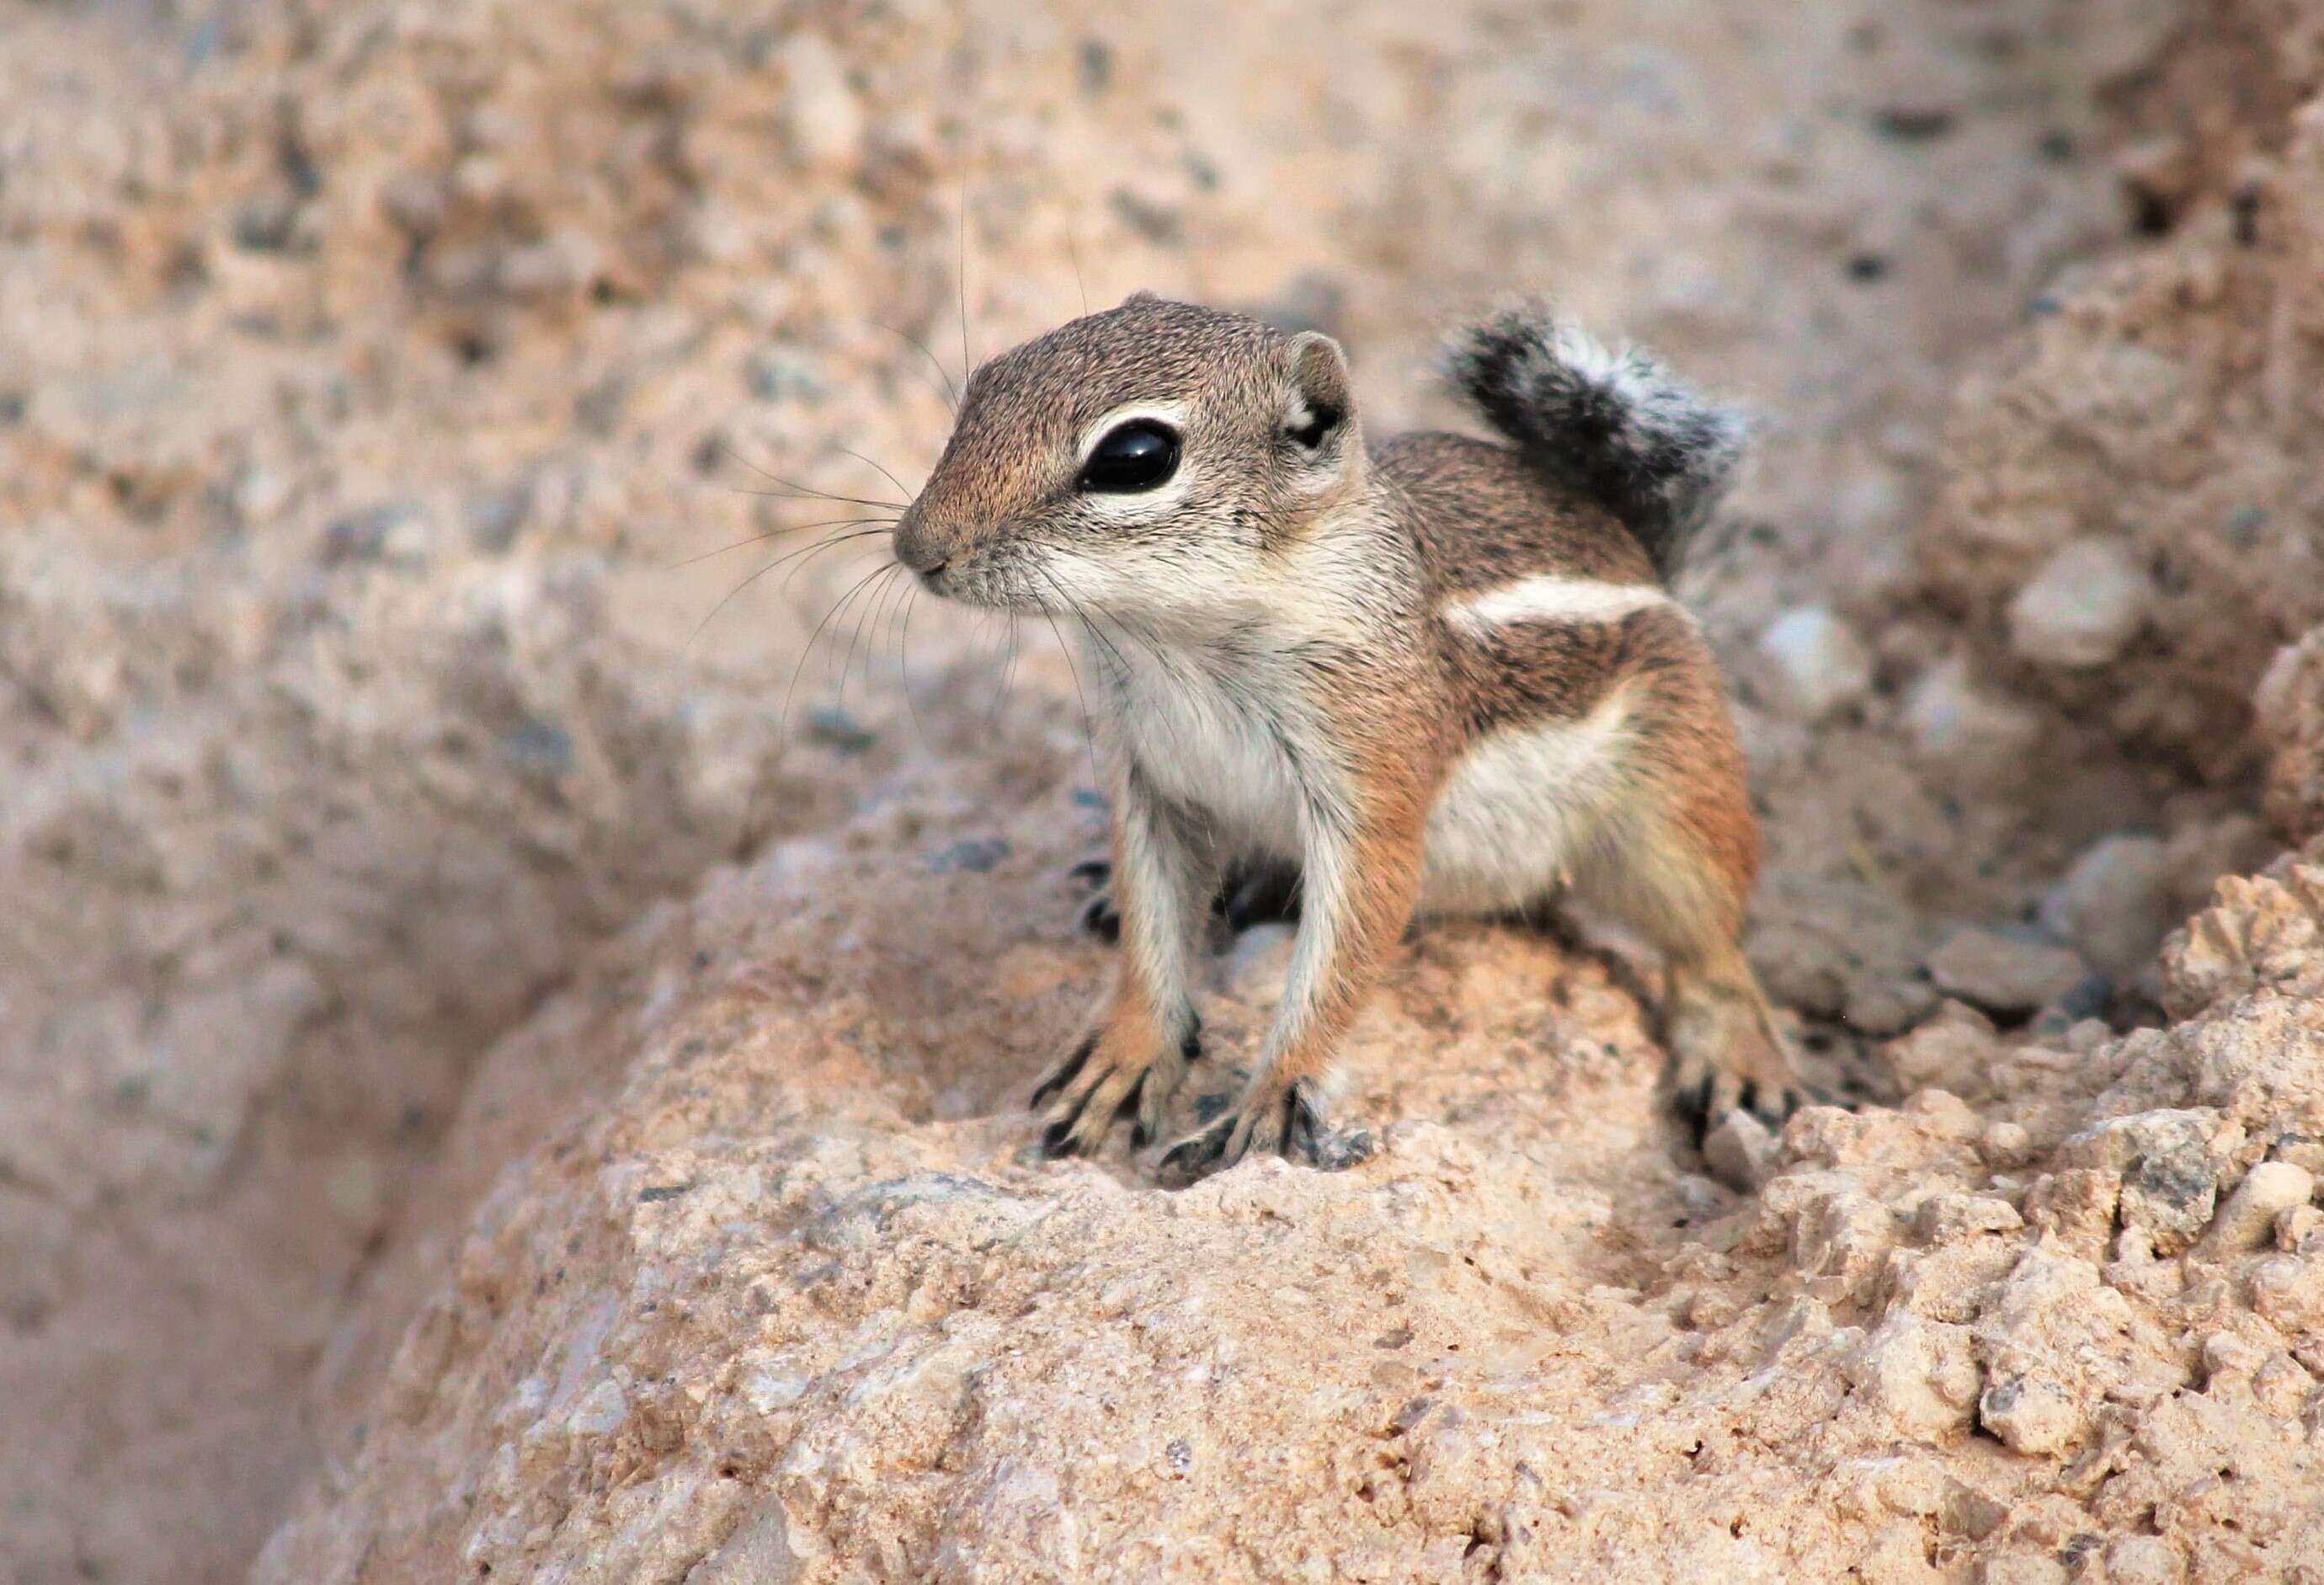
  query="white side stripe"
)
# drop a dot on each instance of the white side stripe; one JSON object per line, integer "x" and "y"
{"x": 1553, "y": 598}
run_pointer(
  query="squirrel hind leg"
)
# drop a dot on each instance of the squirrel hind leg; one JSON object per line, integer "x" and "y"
{"x": 1682, "y": 881}
{"x": 1726, "y": 1052}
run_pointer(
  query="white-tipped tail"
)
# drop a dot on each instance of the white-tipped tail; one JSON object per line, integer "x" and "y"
{"x": 1613, "y": 424}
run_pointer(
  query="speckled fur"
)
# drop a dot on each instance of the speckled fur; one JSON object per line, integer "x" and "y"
{"x": 1438, "y": 674}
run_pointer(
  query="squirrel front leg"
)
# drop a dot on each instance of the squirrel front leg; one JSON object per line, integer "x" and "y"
{"x": 1135, "y": 1053}
{"x": 1362, "y": 859}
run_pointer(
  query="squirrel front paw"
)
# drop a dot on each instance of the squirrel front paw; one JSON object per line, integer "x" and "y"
{"x": 1270, "y": 1115}
{"x": 1108, "y": 1076}
{"x": 1704, "y": 1095}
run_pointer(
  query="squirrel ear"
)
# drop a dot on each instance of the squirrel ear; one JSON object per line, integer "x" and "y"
{"x": 1320, "y": 399}
{"x": 1140, "y": 296}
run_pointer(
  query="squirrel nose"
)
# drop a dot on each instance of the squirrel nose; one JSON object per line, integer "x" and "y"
{"x": 916, "y": 547}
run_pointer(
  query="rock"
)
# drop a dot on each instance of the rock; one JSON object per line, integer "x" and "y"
{"x": 2081, "y": 608}
{"x": 2264, "y": 931}
{"x": 1954, "y": 1051}
{"x": 2302, "y": 1151}
{"x": 2033, "y": 1415}
{"x": 1885, "y": 1007}
{"x": 397, "y": 531}
{"x": 1945, "y": 1217}
{"x": 2288, "y": 1290}
{"x": 2077, "y": 1203}
{"x": 2142, "y": 1560}
{"x": 1974, "y": 735}
{"x": 2170, "y": 1171}
{"x": 2294, "y": 1227}
{"x": 1740, "y": 1151}
{"x": 758, "y": 1553}
{"x": 1823, "y": 665}
{"x": 2054, "y": 1342}
{"x": 2021, "y": 1568}
{"x": 2109, "y": 530}
{"x": 555, "y": 266}
{"x": 2115, "y": 904}
{"x": 2247, "y": 1221}
{"x": 821, "y": 118}
{"x": 1839, "y": 1236}
{"x": 494, "y": 517}
{"x": 1899, "y": 1556}
{"x": 1922, "y": 1375}
{"x": 2290, "y": 705}
{"x": 2002, "y": 973}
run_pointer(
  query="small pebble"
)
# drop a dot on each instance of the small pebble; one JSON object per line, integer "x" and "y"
{"x": 1739, "y": 1152}
{"x": 2247, "y": 1221}
{"x": 2082, "y": 608}
{"x": 1824, "y": 665}
{"x": 2003, "y": 974}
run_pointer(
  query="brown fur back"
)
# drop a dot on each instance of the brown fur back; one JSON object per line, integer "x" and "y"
{"x": 1481, "y": 518}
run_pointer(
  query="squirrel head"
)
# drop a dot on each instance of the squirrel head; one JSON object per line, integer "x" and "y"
{"x": 1140, "y": 462}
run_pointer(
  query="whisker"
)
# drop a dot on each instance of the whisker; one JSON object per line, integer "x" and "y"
{"x": 884, "y": 474}
{"x": 810, "y": 492}
{"x": 1082, "y": 613}
{"x": 831, "y": 522}
{"x": 798, "y": 494}
{"x": 879, "y": 609}
{"x": 1089, "y": 737}
{"x": 835, "y": 539}
{"x": 951, "y": 392}
{"x": 1089, "y": 625}
{"x": 867, "y": 615}
{"x": 782, "y": 728}
{"x": 1008, "y": 672}
{"x": 904, "y": 663}
{"x": 807, "y": 551}
{"x": 960, "y": 277}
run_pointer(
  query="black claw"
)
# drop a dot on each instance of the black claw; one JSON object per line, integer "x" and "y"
{"x": 1138, "y": 1137}
{"x": 1102, "y": 919}
{"x": 1191, "y": 1047}
{"x": 1064, "y": 1074}
{"x": 1054, "y": 1137}
{"x": 1096, "y": 871}
{"x": 1190, "y": 1157}
{"x": 1339, "y": 1152}
{"x": 1299, "y": 1124}
{"x": 1693, "y": 1105}
{"x": 1129, "y": 1102}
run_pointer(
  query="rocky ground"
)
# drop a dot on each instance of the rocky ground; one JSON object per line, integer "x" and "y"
{"x": 515, "y": 1030}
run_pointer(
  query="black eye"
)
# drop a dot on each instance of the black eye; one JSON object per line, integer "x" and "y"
{"x": 1137, "y": 456}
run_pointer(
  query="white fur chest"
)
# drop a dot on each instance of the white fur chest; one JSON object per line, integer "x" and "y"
{"x": 1211, "y": 740}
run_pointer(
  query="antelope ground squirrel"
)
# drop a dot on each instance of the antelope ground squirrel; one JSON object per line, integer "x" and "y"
{"x": 1438, "y": 674}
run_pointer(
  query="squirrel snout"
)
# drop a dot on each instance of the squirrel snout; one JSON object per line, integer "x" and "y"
{"x": 924, "y": 552}
{"x": 918, "y": 549}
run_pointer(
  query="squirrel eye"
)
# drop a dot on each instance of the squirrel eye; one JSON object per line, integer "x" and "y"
{"x": 1139, "y": 455}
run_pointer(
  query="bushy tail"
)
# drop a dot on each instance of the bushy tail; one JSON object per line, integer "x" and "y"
{"x": 1614, "y": 425}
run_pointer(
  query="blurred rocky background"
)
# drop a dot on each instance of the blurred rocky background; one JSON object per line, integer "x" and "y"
{"x": 514, "y": 1001}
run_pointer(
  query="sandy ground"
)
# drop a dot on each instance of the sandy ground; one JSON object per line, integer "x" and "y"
{"x": 424, "y": 846}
